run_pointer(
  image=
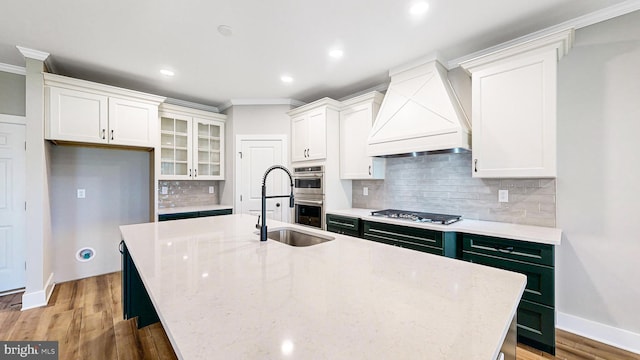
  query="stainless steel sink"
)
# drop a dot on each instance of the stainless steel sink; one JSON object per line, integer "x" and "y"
{"x": 297, "y": 238}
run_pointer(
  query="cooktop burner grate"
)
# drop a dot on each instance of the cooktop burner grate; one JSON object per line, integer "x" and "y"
{"x": 444, "y": 219}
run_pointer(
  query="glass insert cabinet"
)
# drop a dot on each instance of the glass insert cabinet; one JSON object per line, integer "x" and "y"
{"x": 191, "y": 147}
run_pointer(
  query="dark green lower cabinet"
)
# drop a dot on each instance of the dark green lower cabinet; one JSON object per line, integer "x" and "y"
{"x": 344, "y": 225}
{"x": 194, "y": 214}
{"x": 536, "y": 314}
{"x": 135, "y": 299}
{"x": 425, "y": 240}
{"x": 536, "y": 326}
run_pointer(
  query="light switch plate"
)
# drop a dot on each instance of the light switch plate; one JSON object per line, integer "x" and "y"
{"x": 365, "y": 191}
{"x": 212, "y": 190}
{"x": 164, "y": 190}
{"x": 81, "y": 193}
{"x": 503, "y": 196}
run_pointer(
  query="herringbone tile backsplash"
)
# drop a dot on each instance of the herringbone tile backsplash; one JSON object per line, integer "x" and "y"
{"x": 443, "y": 183}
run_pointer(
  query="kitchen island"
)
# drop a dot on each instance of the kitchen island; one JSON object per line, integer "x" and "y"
{"x": 221, "y": 293}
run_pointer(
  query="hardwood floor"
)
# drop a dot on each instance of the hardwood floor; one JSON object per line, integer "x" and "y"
{"x": 85, "y": 317}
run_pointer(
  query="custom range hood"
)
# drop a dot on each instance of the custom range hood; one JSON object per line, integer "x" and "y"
{"x": 420, "y": 113}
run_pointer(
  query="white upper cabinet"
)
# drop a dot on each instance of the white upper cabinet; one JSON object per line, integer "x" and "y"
{"x": 356, "y": 118}
{"x": 514, "y": 108}
{"x": 86, "y": 112}
{"x": 309, "y": 129}
{"x": 191, "y": 144}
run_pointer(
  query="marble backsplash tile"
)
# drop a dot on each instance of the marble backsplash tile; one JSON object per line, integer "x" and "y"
{"x": 187, "y": 193}
{"x": 443, "y": 183}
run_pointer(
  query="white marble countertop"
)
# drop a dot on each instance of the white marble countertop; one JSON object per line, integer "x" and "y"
{"x": 537, "y": 234}
{"x": 186, "y": 209}
{"x": 221, "y": 293}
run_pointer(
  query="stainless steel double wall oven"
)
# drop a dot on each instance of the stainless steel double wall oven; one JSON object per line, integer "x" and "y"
{"x": 309, "y": 195}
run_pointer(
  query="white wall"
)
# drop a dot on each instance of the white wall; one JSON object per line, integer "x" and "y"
{"x": 12, "y": 94}
{"x": 250, "y": 120}
{"x": 116, "y": 184}
{"x": 598, "y": 185}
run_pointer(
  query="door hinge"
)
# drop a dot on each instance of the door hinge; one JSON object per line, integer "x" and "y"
{"x": 240, "y": 197}
{"x": 25, "y": 206}
{"x": 240, "y": 152}
{"x": 25, "y": 146}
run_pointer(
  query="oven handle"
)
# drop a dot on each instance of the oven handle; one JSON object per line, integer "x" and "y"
{"x": 315, "y": 202}
{"x": 303, "y": 176}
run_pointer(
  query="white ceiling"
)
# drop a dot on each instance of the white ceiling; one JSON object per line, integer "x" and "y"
{"x": 126, "y": 43}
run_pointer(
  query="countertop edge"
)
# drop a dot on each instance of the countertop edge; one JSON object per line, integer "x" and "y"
{"x": 188, "y": 209}
{"x": 529, "y": 233}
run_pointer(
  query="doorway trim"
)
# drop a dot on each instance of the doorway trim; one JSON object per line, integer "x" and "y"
{"x": 238, "y": 170}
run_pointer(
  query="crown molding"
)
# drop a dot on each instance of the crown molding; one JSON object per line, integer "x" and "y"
{"x": 33, "y": 54}
{"x": 576, "y": 23}
{"x": 381, "y": 88}
{"x": 19, "y": 70}
{"x": 273, "y": 101}
{"x": 192, "y": 105}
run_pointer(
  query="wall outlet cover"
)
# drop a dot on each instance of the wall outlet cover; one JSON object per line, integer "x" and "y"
{"x": 212, "y": 190}
{"x": 81, "y": 193}
{"x": 164, "y": 190}
{"x": 365, "y": 191}
{"x": 503, "y": 196}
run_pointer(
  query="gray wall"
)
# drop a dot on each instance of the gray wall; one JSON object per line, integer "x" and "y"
{"x": 117, "y": 193}
{"x": 598, "y": 176}
{"x": 12, "y": 94}
{"x": 443, "y": 183}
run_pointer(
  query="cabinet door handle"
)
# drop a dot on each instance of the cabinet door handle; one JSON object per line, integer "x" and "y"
{"x": 195, "y": 173}
{"x": 103, "y": 134}
{"x": 189, "y": 172}
{"x": 111, "y": 134}
{"x": 475, "y": 165}
{"x": 120, "y": 247}
{"x": 507, "y": 249}
{"x": 369, "y": 170}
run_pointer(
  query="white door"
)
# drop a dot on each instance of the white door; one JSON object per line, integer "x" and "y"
{"x": 12, "y": 206}
{"x": 254, "y": 158}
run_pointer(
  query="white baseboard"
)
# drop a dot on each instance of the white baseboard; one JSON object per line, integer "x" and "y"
{"x": 606, "y": 334}
{"x": 38, "y": 298}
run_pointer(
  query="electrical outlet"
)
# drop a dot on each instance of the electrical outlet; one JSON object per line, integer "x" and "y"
{"x": 503, "y": 196}
{"x": 164, "y": 190}
{"x": 81, "y": 193}
{"x": 212, "y": 190}
{"x": 365, "y": 191}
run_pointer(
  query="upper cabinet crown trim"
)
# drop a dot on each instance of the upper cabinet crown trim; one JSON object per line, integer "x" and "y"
{"x": 170, "y": 108}
{"x": 83, "y": 85}
{"x": 561, "y": 40}
{"x": 374, "y": 96}
{"x": 328, "y": 102}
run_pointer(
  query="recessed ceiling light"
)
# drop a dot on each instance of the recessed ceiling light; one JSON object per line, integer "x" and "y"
{"x": 419, "y": 8}
{"x": 225, "y": 30}
{"x": 167, "y": 72}
{"x": 336, "y": 54}
{"x": 286, "y": 79}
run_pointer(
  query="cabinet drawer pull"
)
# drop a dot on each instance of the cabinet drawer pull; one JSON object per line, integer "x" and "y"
{"x": 506, "y": 249}
{"x": 475, "y": 165}
{"x": 340, "y": 223}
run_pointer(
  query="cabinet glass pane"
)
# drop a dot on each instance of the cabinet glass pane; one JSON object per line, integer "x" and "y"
{"x": 181, "y": 169}
{"x": 181, "y": 141}
{"x": 181, "y": 126}
{"x": 214, "y": 131}
{"x": 181, "y": 155}
{"x": 214, "y": 157}
{"x": 166, "y": 140}
{"x": 214, "y": 169}
{"x": 167, "y": 168}
{"x": 203, "y": 169}
{"x": 167, "y": 124}
{"x": 203, "y": 130}
{"x": 215, "y": 145}
{"x": 167, "y": 155}
{"x": 203, "y": 157}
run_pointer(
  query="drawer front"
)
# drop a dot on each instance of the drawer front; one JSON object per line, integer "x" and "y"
{"x": 404, "y": 236}
{"x": 536, "y": 323}
{"x": 540, "y": 279}
{"x": 509, "y": 249}
{"x": 214, "y": 212}
{"x": 343, "y": 225}
{"x": 178, "y": 216}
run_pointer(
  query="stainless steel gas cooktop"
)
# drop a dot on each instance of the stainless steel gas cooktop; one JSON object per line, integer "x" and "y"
{"x": 444, "y": 219}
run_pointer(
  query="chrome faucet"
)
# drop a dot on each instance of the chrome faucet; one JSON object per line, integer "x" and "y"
{"x": 263, "y": 227}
